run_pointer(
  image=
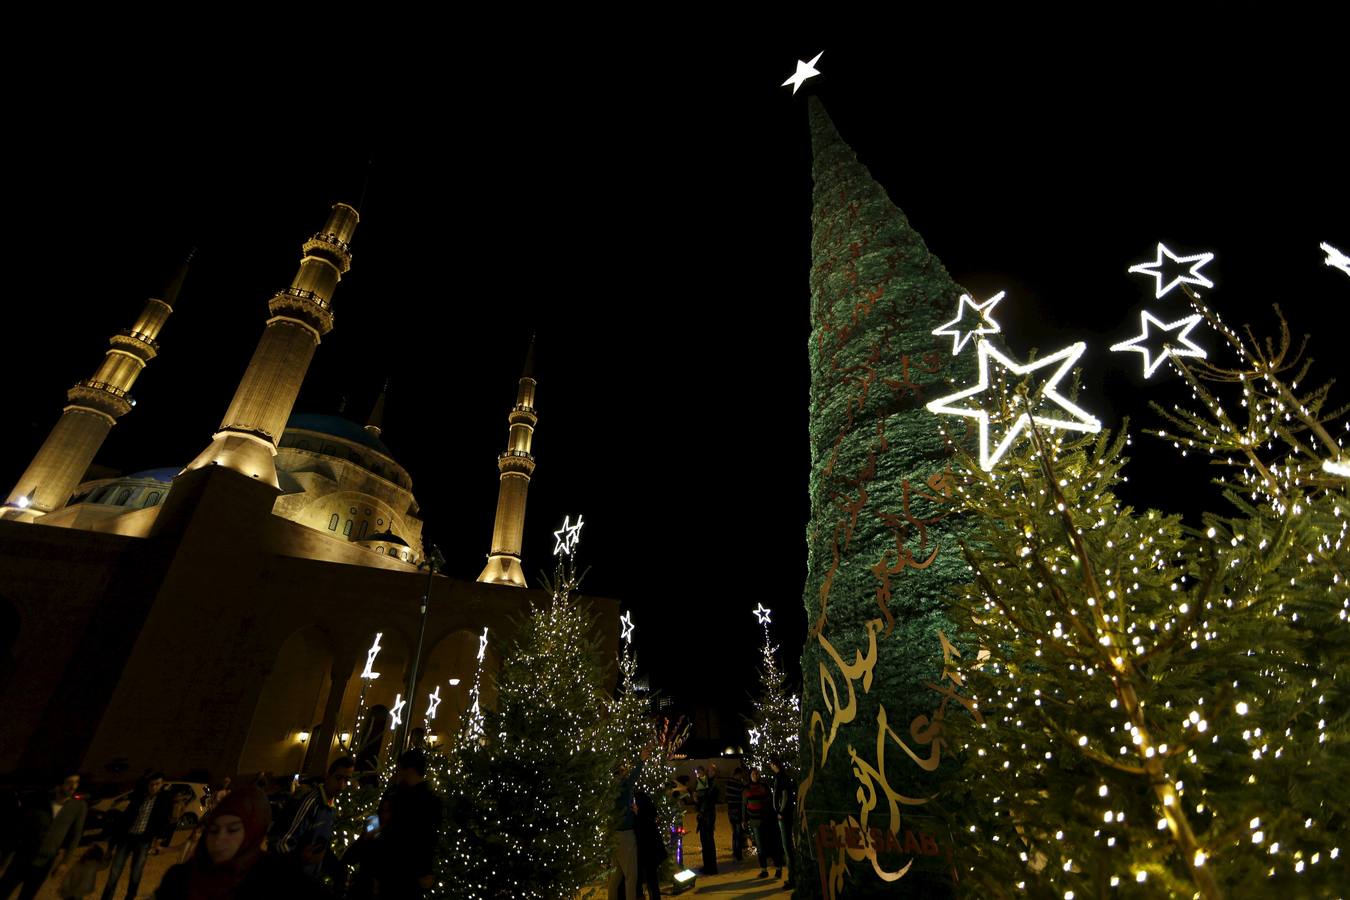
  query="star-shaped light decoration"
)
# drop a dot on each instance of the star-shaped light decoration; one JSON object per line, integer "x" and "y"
{"x": 804, "y": 71}
{"x": 1163, "y": 285}
{"x": 1151, "y": 362}
{"x": 560, "y": 542}
{"x": 1339, "y": 467}
{"x": 373, "y": 652}
{"x": 1078, "y": 420}
{"x": 1336, "y": 258}
{"x": 482, "y": 644}
{"x": 983, "y": 323}
{"x": 433, "y": 701}
{"x": 626, "y": 623}
{"x": 396, "y": 711}
{"x": 754, "y": 736}
{"x": 566, "y": 538}
{"x": 761, "y": 613}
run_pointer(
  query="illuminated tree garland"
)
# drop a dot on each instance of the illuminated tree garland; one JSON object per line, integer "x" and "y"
{"x": 1164, "y": 708}
{"x": 775, "y": 720}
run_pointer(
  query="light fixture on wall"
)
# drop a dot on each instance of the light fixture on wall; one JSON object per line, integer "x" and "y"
{"x": 454, "y": 682}
{"x": 302, "y": 736}
{"x": 345, "y": 738}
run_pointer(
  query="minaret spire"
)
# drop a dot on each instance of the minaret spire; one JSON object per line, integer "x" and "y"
{"x": 95, "y": 406}
{"x": 516, "y": 466}
{"x": 300, "y": 315}
{"x": 376, "y": 420}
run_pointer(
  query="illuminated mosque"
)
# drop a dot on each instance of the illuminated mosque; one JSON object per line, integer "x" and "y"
{"x": 216, "y": 618}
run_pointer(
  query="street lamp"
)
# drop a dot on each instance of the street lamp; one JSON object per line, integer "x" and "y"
{"x": 433, "y": 561}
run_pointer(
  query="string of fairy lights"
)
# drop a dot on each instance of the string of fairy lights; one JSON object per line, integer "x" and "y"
{"x": 1087, "y": 586}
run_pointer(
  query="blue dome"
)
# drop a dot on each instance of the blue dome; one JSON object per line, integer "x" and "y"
{"x": 338, "y": 427}
{"x": 161, "y": 475}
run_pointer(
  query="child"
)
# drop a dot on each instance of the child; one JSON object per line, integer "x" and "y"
{"x": 79, "y": 881}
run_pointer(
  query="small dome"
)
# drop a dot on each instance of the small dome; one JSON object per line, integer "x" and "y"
{"x": 161, "y": 475}
{"x": 386, "y": 537}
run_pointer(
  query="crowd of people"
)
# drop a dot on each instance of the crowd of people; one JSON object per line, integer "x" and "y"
{"x": 760, "y": 809}
{"x": 248, "y": 846}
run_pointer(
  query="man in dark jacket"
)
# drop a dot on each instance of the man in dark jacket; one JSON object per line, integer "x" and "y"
{"x": 305, "y": 829}
{"x": 734, "y": 787}
{"x": 705, "y": 802}
{"x": 785, "y": 805}
{"x": 146, "y": 818}
{"x": 49, "y": 832}
{"x": 408, "y": 864}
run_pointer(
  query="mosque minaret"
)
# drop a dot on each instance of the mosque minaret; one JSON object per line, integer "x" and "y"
{"x": 300, "y": 315}
{"x": 95, "y": 406}
{"x": 516, "y": 466}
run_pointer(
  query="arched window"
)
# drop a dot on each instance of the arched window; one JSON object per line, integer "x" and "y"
{"x": 365, "y": 524}
{"x": 333, "y": 522}
{"x": 151, "y": 498}
{"x": 123, "y": 496}
{"x": 347, "y": 529}
{"x": 379, "y": 550}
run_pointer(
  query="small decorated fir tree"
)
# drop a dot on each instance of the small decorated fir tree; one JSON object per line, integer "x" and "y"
{"x": 774, "y": 724}
{"x": 1160, "y": 710}
{"x": 530, "y": 802}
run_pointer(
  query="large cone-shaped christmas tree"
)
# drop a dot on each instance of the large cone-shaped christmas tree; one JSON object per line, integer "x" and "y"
{"x": 883, "y": 545}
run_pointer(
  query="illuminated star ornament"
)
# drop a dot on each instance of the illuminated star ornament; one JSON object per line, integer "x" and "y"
{"x": 566, "y": 538}
{"x": 1163, "y": 285}
{"x": 754, "y": 736}
{"x": 1151, "y": 361}
{"x": 433, "y": 701}
{"x": 761, "y": 613}
{"x": 482, "y": 645}
{"x": 1336, "y": 258}
{"x": 373, "y": 652}
{"x": 804, "y": 71}
{"x": 396, "y": 711}
{"x": 626, "y": 623}
{"x": 979, "y": 314}
{"x": 1339, "y": 467}
{"x": 1078, "y": 419}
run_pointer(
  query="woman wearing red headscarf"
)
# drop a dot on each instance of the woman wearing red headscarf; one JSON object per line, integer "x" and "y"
{"x": 229, "y": 863}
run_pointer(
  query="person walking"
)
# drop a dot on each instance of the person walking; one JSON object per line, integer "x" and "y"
{"x": 651, "y": 847}
{"x": 229, "y": 862}
{"x": 705, "y": 803}
{"x": 785, "y": 805}
{"x": 732, "y": 789}
{"x": 407, "y": 861}
{"x": 623, "y": 881}
{"x": 758, "y": 814}
{"x": 305, "y": 833}
{"x": 49, "y": 833}
{"x": 147, "y": 817}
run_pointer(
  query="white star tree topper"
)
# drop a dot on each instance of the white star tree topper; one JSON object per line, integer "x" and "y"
{"x": 566, "y": 538}
{"x": 1151, "y": 360}
{"x": 626, "y": 623}
{"x": 804, "y": 71}
{"x": 1336, "y": 258}
{"x": 433, "y": 701}
{"x": 396, "y": 711}
{"x": 482, "y": 644}
{"x": 1155, "y": 269}
{"x": 373, "y": 652}
{"x": 761, "y": 613}
{"x": 1079, "y": 419}
{"x": 985, "y": 322}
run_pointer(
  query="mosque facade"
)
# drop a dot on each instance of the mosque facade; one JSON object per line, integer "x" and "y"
{"x": 217, "y": 618}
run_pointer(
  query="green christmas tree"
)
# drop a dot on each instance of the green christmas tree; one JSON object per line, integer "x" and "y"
{"x": 1157, "y": 710}
{"x": 882, "y": 543}
{"x": 530, "y": 801}
{"x": 773, "y": 725}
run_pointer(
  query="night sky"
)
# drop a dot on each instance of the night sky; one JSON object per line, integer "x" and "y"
{"x": 645, "y": 208}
